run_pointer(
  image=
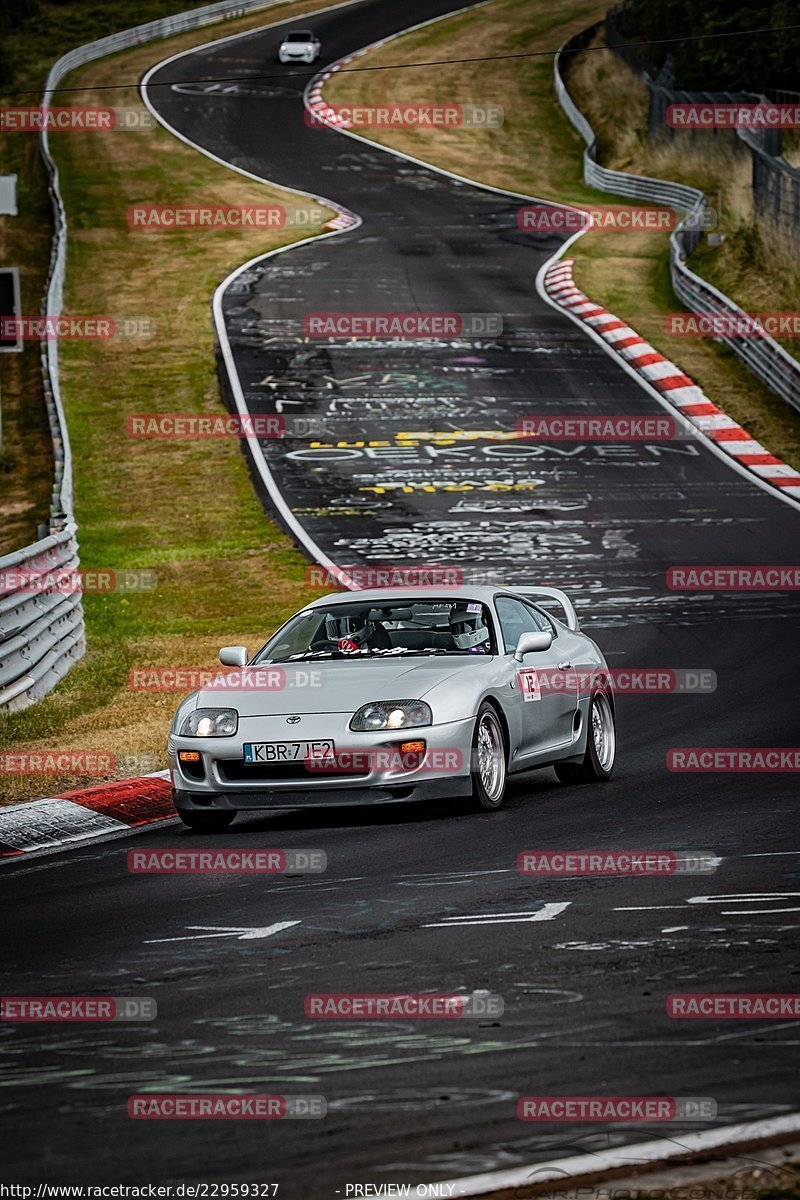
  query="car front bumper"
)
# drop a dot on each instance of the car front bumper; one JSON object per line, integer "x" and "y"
{"x": 226, "y": 783}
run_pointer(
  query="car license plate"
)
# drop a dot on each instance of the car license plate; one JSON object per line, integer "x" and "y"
{"x": 287, "y": 752}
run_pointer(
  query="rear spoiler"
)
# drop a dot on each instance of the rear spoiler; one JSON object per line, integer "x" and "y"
{"x": 554, "y": 594}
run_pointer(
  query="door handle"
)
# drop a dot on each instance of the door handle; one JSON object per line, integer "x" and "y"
{"x": 564, "y": 666}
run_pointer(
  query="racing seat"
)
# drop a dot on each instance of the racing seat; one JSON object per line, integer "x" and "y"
{"x": 379, "y": 638}
{"x": 422, "y": 639}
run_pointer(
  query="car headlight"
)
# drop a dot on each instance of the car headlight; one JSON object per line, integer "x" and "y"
{"x": 210, "y": 722}
{"x": 392, "y": 714}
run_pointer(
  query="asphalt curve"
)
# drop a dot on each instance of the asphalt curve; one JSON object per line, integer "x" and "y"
{"x": 427, "y": 899}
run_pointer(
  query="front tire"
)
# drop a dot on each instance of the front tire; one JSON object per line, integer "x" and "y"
{"x": 489, "y": 768}
{"x": 601, "y": 746}
{"x": 206, "y": 822}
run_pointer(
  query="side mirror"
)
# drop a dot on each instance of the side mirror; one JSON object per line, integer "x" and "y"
{"x": 531, "y": 642}
{"x": 233, "y": 656}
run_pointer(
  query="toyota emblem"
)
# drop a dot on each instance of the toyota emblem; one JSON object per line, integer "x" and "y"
{"x": 292, "y": 720}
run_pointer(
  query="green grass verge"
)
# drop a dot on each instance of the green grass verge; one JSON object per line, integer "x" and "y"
{"x": 186, "y": 509}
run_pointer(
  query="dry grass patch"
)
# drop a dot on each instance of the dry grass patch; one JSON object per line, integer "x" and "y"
{"x": 186, "y": 509}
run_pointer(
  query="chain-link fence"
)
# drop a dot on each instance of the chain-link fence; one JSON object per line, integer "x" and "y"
{"x": 776, "y": 184}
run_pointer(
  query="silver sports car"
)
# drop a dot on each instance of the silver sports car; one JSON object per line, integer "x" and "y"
{"x": 375, "y": 697}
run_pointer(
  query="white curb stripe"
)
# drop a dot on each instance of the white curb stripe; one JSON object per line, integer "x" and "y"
{"x": 660, "y": 370}
{"x": 740, "y": 448}
{"x": 45, "y": 823}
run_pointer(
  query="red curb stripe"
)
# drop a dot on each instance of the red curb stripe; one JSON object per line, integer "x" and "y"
{"x": 671, "y": 381}
{"x": 733, "y": 434}
{"x": 784, "y": 480}
{"x": 759, "y": 460}
{"x": 701, "y": 410}
{"x": 623, "y": 343}
{"x": 133, "y": 801}
{"x": 646, "y": 360}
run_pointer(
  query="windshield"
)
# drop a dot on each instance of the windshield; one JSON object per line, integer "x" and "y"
{"x": 300, "y": 36}
{"x": 395, "y": 629}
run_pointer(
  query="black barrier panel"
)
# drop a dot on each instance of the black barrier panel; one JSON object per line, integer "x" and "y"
{"x": 9, "y": 304}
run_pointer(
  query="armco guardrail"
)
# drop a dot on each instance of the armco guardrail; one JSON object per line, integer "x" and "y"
{"x": 762, "y": 355}
{"x": 42, "y": 631}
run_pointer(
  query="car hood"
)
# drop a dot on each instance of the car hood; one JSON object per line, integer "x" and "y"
{"x": 341, "y": 686}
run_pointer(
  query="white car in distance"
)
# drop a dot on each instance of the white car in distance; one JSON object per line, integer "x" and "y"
{"x": 299, "y": 45}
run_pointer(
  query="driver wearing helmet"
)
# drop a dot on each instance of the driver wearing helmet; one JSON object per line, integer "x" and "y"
{"x": 468, "y": 628}
{"x": 354, "y": 633}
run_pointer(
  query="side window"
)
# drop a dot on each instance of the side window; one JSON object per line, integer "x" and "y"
{"x": 517, "y": 618}
{"x": 543, "y": 623}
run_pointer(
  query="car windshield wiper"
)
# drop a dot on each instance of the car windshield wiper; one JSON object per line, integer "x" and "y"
{"x": 362, "y": 652}
{"x": 398, "y": 650}
{"x": 306, "y": 654}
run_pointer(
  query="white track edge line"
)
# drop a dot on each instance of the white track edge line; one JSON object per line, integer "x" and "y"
{"x": 632, "y": 1156}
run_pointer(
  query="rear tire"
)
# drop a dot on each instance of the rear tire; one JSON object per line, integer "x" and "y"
{"x": 489, "y": 768}
{"x": 601, "y": 746}
{"x": 206, "y": 822}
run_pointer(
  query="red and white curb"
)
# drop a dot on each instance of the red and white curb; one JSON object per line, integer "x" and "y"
{"x": 668, "y": 379}
{"x": 108, "y": 810}
{"x": 322, "y": 113}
